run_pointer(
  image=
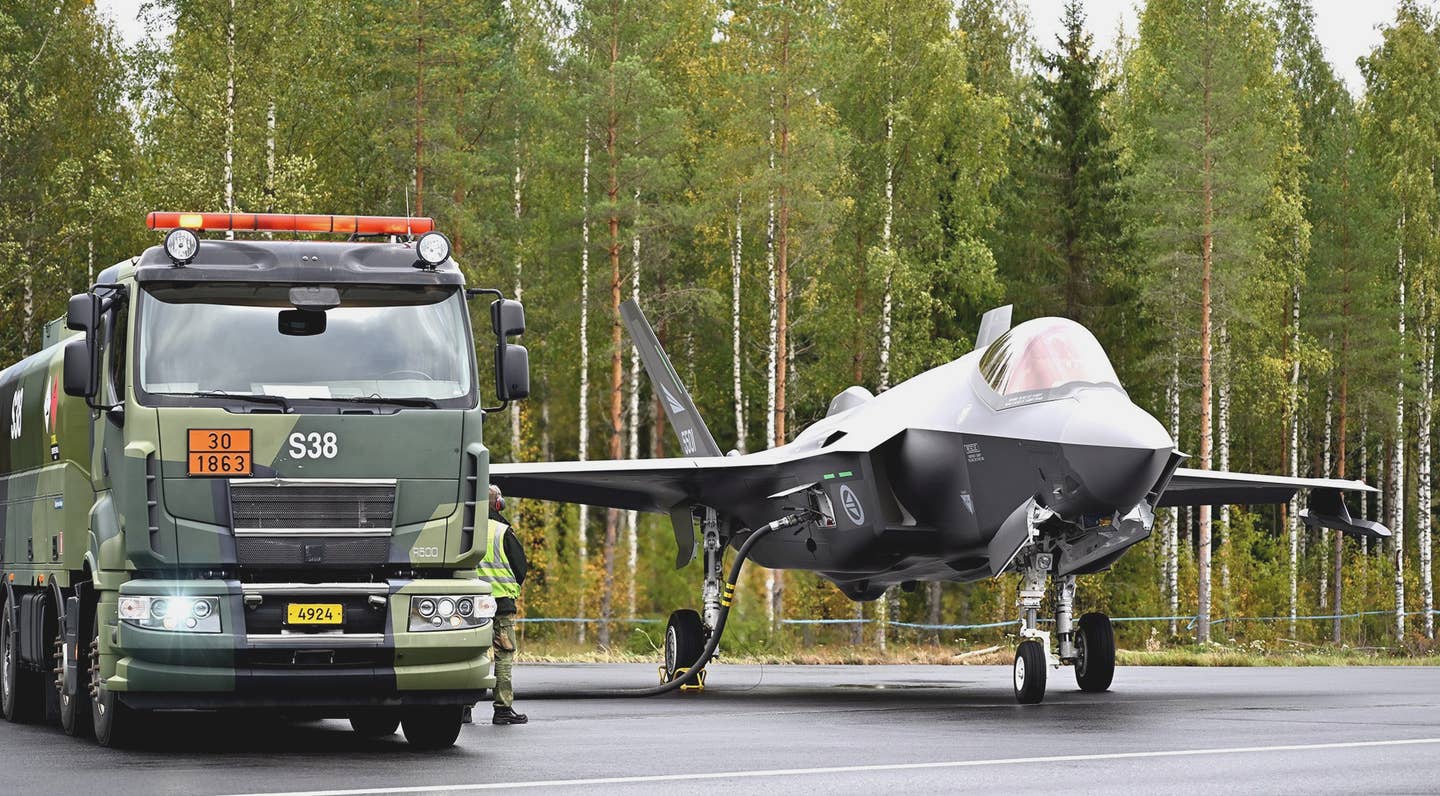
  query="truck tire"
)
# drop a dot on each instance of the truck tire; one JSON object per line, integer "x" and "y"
{"x": 74, "y": 708}
{"x": 113, "y": 721}
{"x": 21, "y": 696}
{"x": 433, "y": 727}
{"x": 375, "y": 725}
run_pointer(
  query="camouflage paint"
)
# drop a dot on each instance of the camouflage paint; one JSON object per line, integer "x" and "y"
{"x": 76, "y": 487}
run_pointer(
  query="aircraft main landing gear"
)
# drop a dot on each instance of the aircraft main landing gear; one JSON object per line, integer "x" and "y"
{"x": 1091, "y": 650}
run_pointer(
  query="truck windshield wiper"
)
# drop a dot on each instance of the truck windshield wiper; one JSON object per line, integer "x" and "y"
{"x": 428, "y": 403}
{"x": 258, "y": 398}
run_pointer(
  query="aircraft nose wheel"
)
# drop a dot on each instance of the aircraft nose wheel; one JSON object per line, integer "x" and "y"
{"x": 1030, "y": 666}
{"x": 1095, "y": 653}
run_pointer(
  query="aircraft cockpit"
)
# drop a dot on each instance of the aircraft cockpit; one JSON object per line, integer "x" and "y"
{"x": 1044, "y": 359}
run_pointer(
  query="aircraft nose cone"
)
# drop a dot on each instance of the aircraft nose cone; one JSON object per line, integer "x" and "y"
{"x": 1115, "y": 451}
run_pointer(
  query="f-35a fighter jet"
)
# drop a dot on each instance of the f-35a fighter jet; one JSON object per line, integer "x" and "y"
{"x": 1025, "y": 455}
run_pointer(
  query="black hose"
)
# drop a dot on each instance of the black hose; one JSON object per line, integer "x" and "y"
{"x": 706, "y": 654}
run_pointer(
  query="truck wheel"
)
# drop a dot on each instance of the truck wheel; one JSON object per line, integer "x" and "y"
{"x": 433, "y": 727}
{"x": 21, "y": 696}
{"x": 374, "y": 725}
{"x": 114, "y": 723}
{"x": 74, "y": 708}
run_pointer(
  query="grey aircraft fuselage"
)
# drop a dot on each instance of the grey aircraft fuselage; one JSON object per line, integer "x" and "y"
{"x": 945, "y": 477}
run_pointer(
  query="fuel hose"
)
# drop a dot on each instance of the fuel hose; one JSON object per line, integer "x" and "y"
{"x": 693, "y": 672}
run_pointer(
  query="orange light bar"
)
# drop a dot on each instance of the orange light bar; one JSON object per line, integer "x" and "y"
{"x": 288, "y": 222}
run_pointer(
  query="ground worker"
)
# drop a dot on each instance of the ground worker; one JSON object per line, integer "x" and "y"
{"x": 503, "y": 567}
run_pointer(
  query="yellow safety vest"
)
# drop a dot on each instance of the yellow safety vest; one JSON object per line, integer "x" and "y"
{"x": 494, "y": 567}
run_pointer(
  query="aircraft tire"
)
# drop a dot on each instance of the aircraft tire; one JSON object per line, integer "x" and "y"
{"x": 1095, "y": 658}
{"x": 684, "y": 641}
{"x": 1029, "y": 672}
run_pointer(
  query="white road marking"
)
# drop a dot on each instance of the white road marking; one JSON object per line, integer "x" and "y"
{"x": 800, "y": 772}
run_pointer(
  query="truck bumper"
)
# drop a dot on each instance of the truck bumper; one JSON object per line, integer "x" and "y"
{"x": 257, "y": 662}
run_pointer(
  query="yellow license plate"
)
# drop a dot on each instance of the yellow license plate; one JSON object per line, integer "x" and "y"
{"x": 314, "y": 614}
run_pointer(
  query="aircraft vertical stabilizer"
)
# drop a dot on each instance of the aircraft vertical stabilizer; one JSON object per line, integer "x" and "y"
{"x": 993, "y": 324}
{"x": 695, "y": 438}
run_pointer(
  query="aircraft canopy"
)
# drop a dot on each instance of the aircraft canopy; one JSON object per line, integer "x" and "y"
{"x": 1045, "y": 354}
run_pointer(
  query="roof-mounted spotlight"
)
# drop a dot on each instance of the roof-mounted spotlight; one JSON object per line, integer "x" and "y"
{"x": 181, "y": 245}
{"x": 433, "y": 249}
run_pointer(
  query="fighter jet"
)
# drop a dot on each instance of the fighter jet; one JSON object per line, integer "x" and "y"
{"x": 1025, "y": 455}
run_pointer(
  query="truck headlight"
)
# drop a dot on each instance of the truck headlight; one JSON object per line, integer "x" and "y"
{"x": 450, "y": 612}
{"x": 179, "y": 614}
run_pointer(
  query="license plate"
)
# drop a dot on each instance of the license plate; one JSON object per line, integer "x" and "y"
{"x": 314, "y": 614}
{"x": 219, "y": 452}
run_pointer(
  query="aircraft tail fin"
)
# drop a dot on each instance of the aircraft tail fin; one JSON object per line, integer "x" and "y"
{"x": 993, "y": 324}
{"x": 695, "y": 438}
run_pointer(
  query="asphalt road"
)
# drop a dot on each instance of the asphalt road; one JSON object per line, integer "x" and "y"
{"x": 831, "y": 729}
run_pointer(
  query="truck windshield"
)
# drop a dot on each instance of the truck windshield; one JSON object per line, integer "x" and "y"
{"x": 381, "y": 343}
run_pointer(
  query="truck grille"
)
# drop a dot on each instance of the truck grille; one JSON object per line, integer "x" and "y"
{"x": 309, "y": 523}
{"x": 295, "y": 505}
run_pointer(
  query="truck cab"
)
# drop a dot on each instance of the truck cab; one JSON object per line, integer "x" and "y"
{"x": 278, "y": 446}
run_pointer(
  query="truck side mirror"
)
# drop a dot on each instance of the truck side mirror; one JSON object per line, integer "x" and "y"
{"x": 80, "y": 312}
{"x": 512, "y": 371}
{"x": 79, "y": 375}
{"x": 507, "y": 318}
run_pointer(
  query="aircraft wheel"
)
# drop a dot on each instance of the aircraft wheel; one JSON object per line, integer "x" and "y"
{"x": 21, "y": 696}
{"x": 375, "y": 725}
{"x": 433, "y": 727}
{"x": 1029, "y": 672}
{"x": 1095, "y": 653}
{"x": 684, "y": 641}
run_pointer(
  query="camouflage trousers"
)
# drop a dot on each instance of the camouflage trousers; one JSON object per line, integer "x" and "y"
{"x": 504, "y": 660}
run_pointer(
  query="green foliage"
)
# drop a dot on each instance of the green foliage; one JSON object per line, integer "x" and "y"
{"x": 935, "y": 155}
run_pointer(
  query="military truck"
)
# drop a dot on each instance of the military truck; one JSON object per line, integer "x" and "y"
{"x": 249, "y": 474}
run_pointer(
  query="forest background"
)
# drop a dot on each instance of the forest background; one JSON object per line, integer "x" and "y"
{"x": 808, "y": 194}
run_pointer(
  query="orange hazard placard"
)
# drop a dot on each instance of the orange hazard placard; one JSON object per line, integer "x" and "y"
{"x": 219, "y": 452}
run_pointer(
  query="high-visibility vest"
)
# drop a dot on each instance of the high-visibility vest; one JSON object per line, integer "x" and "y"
{"x": 494, "y": 567}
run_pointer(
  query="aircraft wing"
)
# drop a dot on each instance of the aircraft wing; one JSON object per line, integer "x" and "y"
{"x": 653, "y": 485}
{"x": 1189, "y": 487}
{"x": 660, "y": 486}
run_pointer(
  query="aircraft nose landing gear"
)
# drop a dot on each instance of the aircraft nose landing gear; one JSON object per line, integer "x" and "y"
{"x": 1091, "y": 650}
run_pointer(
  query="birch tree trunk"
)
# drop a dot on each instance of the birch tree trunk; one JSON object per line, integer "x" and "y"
{"x": 1322, "y": 595}
{"x": 772, "y": 366}
{"x": 1422, "y": 502}
{"x": 270, "y": 157}
{"x": 1397, "y": 456}
{"x": 1207, "y": 256}
{"x": 1340, "y": 465}
{"x": 583, "y": 533}
{"x": 1222, "y": 432}
{"x": 1292, "y": 513}
{"x": 519, "y": 287}
{"x": 888, "y": 602}
{"x": 1172, "y": 532}
{"x": 632, "y": 518}
{"x": 737, "y": 249}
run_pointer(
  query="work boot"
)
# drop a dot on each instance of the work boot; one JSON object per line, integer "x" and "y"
{"x": 465, "y": 717}
{"x": 508, "y": 716}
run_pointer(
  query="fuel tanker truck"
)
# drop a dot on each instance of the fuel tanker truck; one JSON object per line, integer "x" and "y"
{"x": 249, "y": 474}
